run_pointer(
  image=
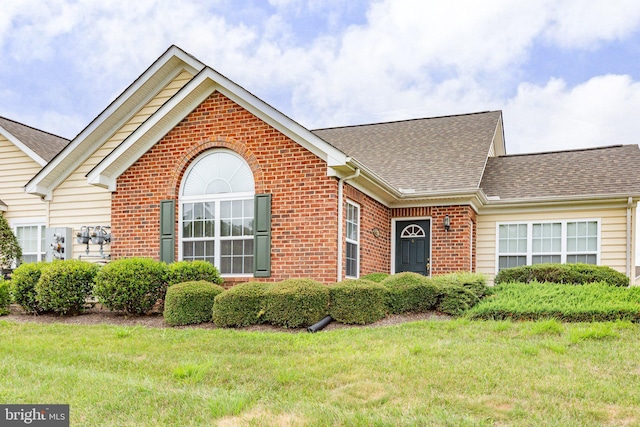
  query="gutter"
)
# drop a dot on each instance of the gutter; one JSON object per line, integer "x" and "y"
{"x": 341, "y": 182}
{"x": 629, "y": 260}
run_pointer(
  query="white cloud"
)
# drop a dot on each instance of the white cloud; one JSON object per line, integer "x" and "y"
{"x": 602, "y": 111}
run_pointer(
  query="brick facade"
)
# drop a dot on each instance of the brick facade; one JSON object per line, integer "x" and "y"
{"x": 304, "y": 199}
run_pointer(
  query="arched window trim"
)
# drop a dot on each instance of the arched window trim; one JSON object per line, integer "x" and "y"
{"x": 218, "y": 238}
{"x": 412, "y": 231}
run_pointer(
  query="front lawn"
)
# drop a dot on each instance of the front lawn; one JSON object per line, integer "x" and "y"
{"x": 454, "y": 373}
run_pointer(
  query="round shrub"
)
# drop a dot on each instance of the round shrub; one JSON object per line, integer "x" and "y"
{"x": 242, "y": 305}
{"x": 357, "y": 301}
{"x": 410, "y": 292}
{"x": 295, "y": 303}
{"x": 23, "y": 286}
{"x": 193, "y": 271}
{"x": 132, "y": 285}
{"x": 64, "y": 286}
{"x": 375, "y": 277}
{"x": 190, "y": 303}
{"x": 475, "y": 282}
{"x": 456, "y": 299}
{"x": 5, "y": 297}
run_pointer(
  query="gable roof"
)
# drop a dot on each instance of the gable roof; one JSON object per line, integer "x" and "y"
{"x": 601, "y": 171}
{"x": 125, "y": 106}
{"x": 39, "y": 145}
{"x": 446, "y": 153}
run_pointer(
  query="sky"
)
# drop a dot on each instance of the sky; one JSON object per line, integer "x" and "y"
{"x": 565, "y": 73}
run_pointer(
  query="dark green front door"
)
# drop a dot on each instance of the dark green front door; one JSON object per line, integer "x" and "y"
{"x": 413, "y": 250}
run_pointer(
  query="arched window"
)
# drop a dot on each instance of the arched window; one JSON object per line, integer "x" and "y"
{"x": 411, "y": 231}
{"x": 216, "y": 212}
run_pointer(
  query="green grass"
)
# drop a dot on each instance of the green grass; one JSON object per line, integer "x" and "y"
{"x": 533, "y": 301}
{"x": 450, "y": 373}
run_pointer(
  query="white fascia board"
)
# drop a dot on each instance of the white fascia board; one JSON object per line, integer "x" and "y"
{"x": 279, "y": 121}
{"x": 28, "y": 151}
{"x": 91, "y": 138}
{"x": 180, "y": 105}
{"x": 3, "y": 207}
{"x": 106, "y": 173}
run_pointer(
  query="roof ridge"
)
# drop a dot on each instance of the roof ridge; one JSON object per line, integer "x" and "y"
{"x": 406, "y": 120}
{"x": 574, "y": 150}
{"x": 34, "y": 128}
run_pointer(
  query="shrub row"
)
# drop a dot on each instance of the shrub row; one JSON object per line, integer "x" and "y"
{"x": 598, "y": 301}
{"x": 5, "y": 297}
{"x": 574, "y": 274}
{"x": 132, "y": 285}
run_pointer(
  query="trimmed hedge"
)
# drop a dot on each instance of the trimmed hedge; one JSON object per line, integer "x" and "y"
{"x": 132, "y": 285}
{"x": 295, "y": 303}
{"x": 375, "y": 277}
{"x": 573, "y": 274}
{"x": 357, "y": 301}
{"x": 193, "y": 271}
{"x": 5, "y": 297}
{"x": 23, "y": 286}
{"x": 242, "y": 305}
{"x": 597, "y": 301}
{"x": 456, "y": 299}
{"x": 64, "y": 286}
{"x": 475, "y": 282}
{"x": 410, "y": 292}
{"x": 190, "y": 303}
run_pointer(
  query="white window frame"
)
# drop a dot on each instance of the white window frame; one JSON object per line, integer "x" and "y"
{"x": 217, "y": 199}
{"x": 352, "y": 241}
{"x": 563, "y": 252}
{"x": 41, "y": 254}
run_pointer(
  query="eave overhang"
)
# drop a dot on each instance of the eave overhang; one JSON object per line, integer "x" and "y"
{"x": 28, "y": 151}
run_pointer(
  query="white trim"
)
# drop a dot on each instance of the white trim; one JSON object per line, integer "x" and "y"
{"x": 393, "y": 238}
{"x": 563, "y": 236}
{"x": 126, "y": 105}
{"x": 217, "y": 199}
{"x": 39, "y": 222}
{"x": 353, "y": 242}
{"x": 28, "y": 151}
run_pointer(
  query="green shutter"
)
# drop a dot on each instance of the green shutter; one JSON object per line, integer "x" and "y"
{"x": 262, "y": 236}
{"x": 167, "y": 230}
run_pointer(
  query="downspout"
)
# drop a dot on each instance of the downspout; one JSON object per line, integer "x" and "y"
{"x": 629, "y": 272}
{"x": 341, "y": 182}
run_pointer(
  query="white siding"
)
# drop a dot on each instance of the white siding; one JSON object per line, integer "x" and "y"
{"x": 613, "y": 222}
{"x": 16, "y": 169}
{"x": 76, "y": 203}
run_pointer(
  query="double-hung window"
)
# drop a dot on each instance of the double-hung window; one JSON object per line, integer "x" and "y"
{"x": 353, "y": 240}
{"x": 216, "y": 213}
{"x": 31, "y": 239}
{"x": 529, "y": 243}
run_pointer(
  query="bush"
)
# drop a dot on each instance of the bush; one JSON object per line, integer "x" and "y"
{"x": 573, "y": 274}
{"x": 375, "y": 277}
{"x": 5, "y": 297}
{"x": 64, "y": 286}
{"x": 357, "y": 301}
{"x": 456, "y": 299}
{"x": 242, "y": 305}
{"x": 295, "y": 303}
{"x": 132, "y": 285}
{"x": 23, "y": 286}
{"x": 190, "y": 303}
{"x": 193, "y": 271}
{"x": 475, "y": 282}
{"x": 597, "y": 301}
{"x": 410, "y": 292}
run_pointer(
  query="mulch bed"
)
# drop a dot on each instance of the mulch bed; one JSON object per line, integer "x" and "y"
{"x": 100, "y": 316}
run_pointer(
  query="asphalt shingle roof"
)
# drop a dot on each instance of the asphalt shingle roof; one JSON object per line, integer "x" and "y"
{"x": 594, "y": 171}
{"x": 44, "y": 144}
{"x": 432, "y": 154}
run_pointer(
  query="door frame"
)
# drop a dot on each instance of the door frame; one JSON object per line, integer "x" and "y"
{"x": 393, "y": 238}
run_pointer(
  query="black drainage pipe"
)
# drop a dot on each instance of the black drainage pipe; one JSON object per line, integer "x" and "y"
{"x": 320, "y": 325}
